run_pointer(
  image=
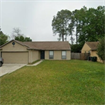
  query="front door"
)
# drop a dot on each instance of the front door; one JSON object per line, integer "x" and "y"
{"x": 42, "y": 54}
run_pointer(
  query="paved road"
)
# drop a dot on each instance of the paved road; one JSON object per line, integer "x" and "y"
{"x": 8, "y": 68}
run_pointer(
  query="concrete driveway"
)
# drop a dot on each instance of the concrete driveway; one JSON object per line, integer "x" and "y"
{"x": 8, "y": 68}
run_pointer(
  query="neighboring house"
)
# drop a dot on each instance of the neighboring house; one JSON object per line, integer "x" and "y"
{"x": 91, "y": 47}
{"x": 28, "y": 52}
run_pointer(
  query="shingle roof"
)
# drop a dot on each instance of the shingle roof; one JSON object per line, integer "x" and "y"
{"x": 48, "y": 45}
{"x": 92, "y": 45}
{"x": 44, "y": 45}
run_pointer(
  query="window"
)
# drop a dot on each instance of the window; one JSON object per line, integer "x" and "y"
{"x": 63, "y": 54}
{"x": 51, "y": 54}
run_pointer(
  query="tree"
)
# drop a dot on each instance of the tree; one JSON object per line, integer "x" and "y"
{"x": 20, "y": 37}
{"x": 60, "y": 23}
{"x": 16, "y": 33}
{"x": 85, "y": 24}
{"x": 101, "y": 49}
{"x": 89, "y": 23}
{"x": 23, "y": 39}
{"x": 3, "y": 38}
{"x": 27, "y": 39}
{"x": 76, "y": 48}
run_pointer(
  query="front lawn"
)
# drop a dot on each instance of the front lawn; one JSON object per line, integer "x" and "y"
{"x": 55, "y": 82}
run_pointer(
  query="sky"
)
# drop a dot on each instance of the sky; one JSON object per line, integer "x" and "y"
{"x": 34, "y": 17}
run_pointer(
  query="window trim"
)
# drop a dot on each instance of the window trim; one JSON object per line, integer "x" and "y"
{"x": 65, "y": 55}
{"x": 51, "y": 55}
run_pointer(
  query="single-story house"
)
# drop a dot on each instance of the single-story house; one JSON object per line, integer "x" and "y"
{"x": 27, "y": 52}
{"x": 91, "y": 47}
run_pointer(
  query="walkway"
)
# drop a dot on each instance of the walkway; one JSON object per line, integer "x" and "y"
{"x": 8, "y": 68}
{"x": 35, "y": 63}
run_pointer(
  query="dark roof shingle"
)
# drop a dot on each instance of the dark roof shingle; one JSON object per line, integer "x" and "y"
{"x": 92, "y": 45}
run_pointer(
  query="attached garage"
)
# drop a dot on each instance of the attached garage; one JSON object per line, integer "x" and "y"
{"x": 14, "y": 52}
{"x": 15, "y": 57}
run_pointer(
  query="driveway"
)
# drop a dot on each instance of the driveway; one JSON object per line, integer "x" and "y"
{"x": 8, "y": 68}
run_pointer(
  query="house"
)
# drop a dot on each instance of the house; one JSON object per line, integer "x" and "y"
{"x": 91, "y": 47}
{"x": 27, "y": 52}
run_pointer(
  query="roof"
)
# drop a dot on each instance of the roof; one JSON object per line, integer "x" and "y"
{"x": 92, "y": 45}
{"x": 53, "y": 45}
{"x": 45, "y": 45}
{"x": 10, "y": 42}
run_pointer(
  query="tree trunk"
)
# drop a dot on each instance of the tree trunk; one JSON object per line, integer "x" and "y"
{"x": 62, "y": 37}
{"x": 76, "y": 36}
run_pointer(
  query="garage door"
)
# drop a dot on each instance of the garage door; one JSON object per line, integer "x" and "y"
{"x": 15, "y": 57}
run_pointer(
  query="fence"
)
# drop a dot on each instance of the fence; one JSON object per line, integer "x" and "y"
{"x": 80, "y": 56}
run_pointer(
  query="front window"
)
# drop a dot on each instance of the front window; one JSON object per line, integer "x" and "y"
{"x": 51, "y": 54}
{"x": 63, "y": 54}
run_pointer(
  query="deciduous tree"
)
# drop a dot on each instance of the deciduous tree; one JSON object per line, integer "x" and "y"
{"x": 85, "y": 24}
{"x": 101, "y": 49}
{"x": 23, "y": 39}
{"x": 17, "y": 35}
{"x": 3, "y": 38}
{"x": 60, "y": 23}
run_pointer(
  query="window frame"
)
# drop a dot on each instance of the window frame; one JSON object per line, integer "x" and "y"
{"x": 51, "y": 56}
{"x": 64, "y": 55}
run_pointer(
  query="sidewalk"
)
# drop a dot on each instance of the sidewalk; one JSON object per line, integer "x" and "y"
{"x": 35, "y": 63}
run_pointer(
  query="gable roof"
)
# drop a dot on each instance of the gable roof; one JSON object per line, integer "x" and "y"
{"x": 44, "y": 45}
{"x": 92, "y": 45}
{"x": 12, "y": 41}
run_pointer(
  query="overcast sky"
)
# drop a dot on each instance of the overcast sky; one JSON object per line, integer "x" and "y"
{"x": 34, "y": 17}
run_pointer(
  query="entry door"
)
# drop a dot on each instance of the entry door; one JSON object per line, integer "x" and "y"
{"x": 42, "y": 53}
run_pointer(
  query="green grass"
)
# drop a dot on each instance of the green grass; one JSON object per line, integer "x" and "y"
{"x": 72, "y": 82}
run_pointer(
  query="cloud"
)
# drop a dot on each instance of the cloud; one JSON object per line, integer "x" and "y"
{"x": 34, "y": 17}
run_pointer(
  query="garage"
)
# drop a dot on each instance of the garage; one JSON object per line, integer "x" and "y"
{"x": 15, "y": 57}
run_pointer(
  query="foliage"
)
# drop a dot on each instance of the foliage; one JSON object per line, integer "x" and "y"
{"x": 84, "y": 24}
{"x": 3, "y": 38}
{"x": 55, "y": 82}
{"x": 76, "y": 48}
{"x": 20, "y": 37}
{"x": 101, "y": 49}
{"x": 23, "y": 39}
{"x": 60, "y": 23}
{"x": 90, "y": 24}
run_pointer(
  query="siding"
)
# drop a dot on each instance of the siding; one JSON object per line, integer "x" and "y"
{"x": 94, "y": 53}
{"x": 58, "y": 55}
{"x": 85, "y": 48}
{"x": 33, "y": 55}
{"x": 16, "y": 47}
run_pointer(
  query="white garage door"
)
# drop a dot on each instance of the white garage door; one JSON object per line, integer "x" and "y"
{"x": 15, "y": 57}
